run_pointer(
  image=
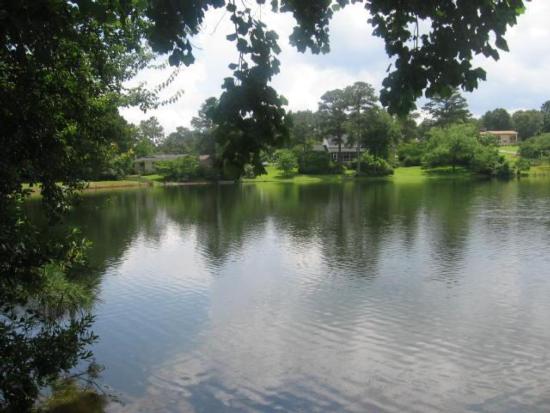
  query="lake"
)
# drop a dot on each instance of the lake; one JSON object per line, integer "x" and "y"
{"x": 355, "y": 297}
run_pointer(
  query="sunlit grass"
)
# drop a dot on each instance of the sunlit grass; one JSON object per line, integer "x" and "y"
{"x": 402, "y": 174}
{"x": 275, "y": 175}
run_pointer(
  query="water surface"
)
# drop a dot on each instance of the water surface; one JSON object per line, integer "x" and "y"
{"x": 358, "y": 297}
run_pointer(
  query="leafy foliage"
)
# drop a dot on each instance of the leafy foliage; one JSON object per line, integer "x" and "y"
{"x": 62, "y": 69}
{"x": 411, "y": 153}
{"x": 537, "y": 147}
{"x": 459, "y": 145}
{"x": 286, "y": 161}
{"x": 383, "y": 132}
{"x": 181, "y": 141}
{"x": 528, "y": 123}
{"x": 545, "y": 109}
{"x": 372, "y": 165}
{"x": 332, "y": 110}
{"x": 181, "y": 169}
{"x": 488, "y": 161}
{"x": 497, "y": 119}
{"x": 315, "y": 163}
{"x": 454, "y": 146}
{"x": 304, "y": 129}
{"x": 360, "y": 101}
{"x": 445, "y": 110}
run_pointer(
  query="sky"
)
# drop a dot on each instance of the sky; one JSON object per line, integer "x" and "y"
{"x": 519, "y": 80}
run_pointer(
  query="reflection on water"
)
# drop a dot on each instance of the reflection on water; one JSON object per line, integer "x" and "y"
{"x": 322, "y": 298}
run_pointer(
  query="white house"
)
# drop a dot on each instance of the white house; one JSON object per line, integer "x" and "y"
{"x": 505, "y": 137}
{"x": 348, "y": 151}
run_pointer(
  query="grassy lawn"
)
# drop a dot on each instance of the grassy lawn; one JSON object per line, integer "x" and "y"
{"x": 403, "y": 174}
{"x": 510, "y": 152}
{"x": 146, "y": 178}
{"x": 274, "y": 175}
{"x": 509, "y": 148}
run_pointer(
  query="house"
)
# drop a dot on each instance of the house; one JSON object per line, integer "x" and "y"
{"x": 348, "y": 151}
{"x": 505, "y": 137}
{"x": 146, "y": 165}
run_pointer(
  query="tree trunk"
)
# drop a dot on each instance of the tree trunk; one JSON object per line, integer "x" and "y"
{"x": 340, "y": 151}
{"x": 358, "y": 160}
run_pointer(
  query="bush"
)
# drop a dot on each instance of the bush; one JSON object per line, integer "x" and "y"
{"x": 286, "y": 161}
{"x": 316, "y": 163}
{"x": 122, "y": 164}
{"x": 374, "y": 166}
{"x": 537, "y": 147}
{"x": 488, "y": 161}
{"x": 451, "y": 146}
{"x": 411, "y": 154}
{"x": 248, "y": 171}
{"x": 180, "y": 169}
{"x": 522, "y": 165}
{"x": 230, "y": 171}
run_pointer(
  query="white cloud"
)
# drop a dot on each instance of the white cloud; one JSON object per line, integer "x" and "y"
{"x": 518, "y": 80}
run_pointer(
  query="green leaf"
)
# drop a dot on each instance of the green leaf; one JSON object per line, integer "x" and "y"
{"x": 502, "y": 44}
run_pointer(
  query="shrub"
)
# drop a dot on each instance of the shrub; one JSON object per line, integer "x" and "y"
{"x": 488, "y": 161}
{"x": 316, "y": 162}
{"x": 122, "y": 164}
{"x": 537, "y": 147}
{"x": 488, "y": 140}
{"x": 411, "y": 154}
{"x": 248, "y": 171}
{"x": 230, "y": 171}
{"x": 286, "y": 161}
{"x": 522, "y": 165}
{"x": 454, "y": 145}
{"x": 180, "y": 169}
{"x": 374, "y": 166}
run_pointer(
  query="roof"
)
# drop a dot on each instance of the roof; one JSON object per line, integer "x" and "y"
{"x": 501, "y": 132}
{"x": 331, "y": 145}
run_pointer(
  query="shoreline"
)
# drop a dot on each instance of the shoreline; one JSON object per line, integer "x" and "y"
{"x": 411, "y": 174}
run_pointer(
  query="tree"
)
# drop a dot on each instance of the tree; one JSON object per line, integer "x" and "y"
{"x": 445, "y": 110}
{"x": 537, "y": 147}
{"x": 183, "y": 140}
{"x": 360, "y": 98}
{"x": 382, "y": 133}
{"x": 204, "y": 127}
{"x": 453, "y": 146}
{"x": 497, "y": 119}
{"x": 409, "y": 127}
{"x": 545, "y": 109}
{"x": 304, "y": 129}
{"x": 332, "y": 110}
{"x": 62, "y": 67}
{"x": 151, "y": 130}
{"x": 286, "y": 161}
{"x": 375, "y": 166}
{"x": 528, "y": 123}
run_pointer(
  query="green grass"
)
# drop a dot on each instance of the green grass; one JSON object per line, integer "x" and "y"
{"x": 274, "y": 175}
{"x": 155, "y": 178}
{"x": 402, "y": 174}
{"x": 510, "y": 152}
{"x": 509, "y": 148}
